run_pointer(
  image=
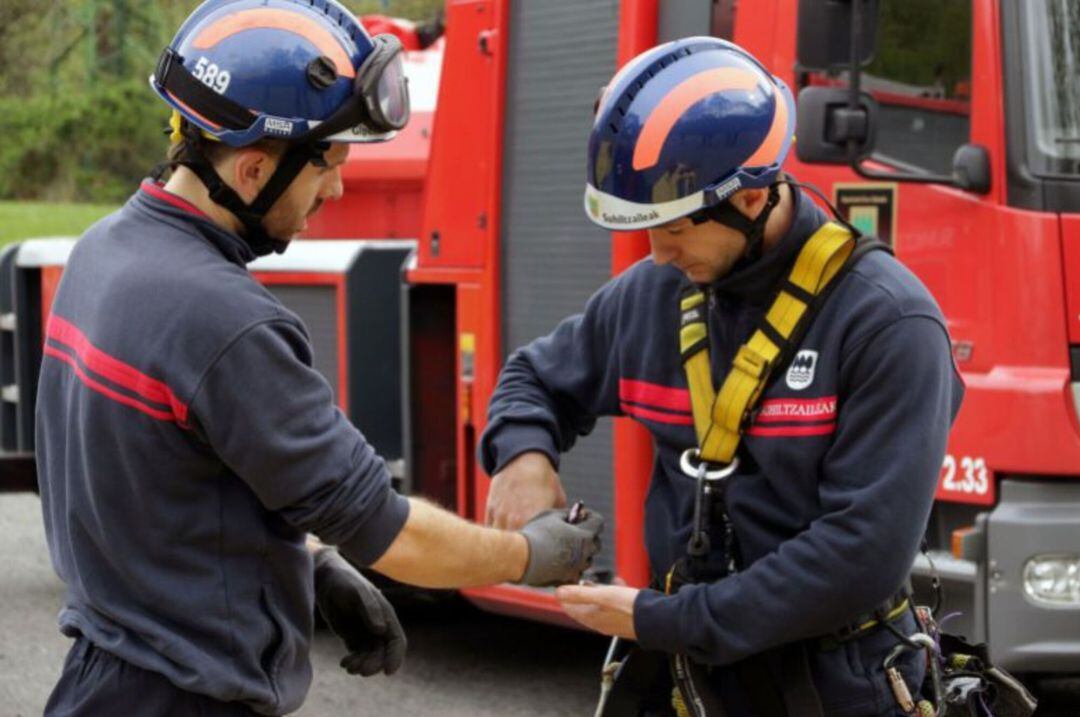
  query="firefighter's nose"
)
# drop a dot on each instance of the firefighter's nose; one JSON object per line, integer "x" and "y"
{"x": 334, "y": 187}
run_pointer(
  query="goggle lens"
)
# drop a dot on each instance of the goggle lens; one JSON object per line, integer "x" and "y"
{"x": 391, "y": 96}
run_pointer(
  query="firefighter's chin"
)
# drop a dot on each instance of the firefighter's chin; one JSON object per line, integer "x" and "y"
{"x": 297, "y": 229}
{"x": 304, "y": 223}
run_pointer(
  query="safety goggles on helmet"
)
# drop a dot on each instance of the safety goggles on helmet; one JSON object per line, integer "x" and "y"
{"x": 380, "y": 101}
{"x": 377, "y": 108}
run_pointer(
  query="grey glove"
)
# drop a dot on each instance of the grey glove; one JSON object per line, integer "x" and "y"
{"x": 360, "y": 615}
{"x": 558, "y": 550}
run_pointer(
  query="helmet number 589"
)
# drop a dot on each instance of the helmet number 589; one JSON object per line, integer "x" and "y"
{"x": 212, "y": 76}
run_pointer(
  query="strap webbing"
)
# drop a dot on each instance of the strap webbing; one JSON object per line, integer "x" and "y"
{"x": 251, "y": 216}
{"x": 719, "y": 417}
{"x": 184, "y": 87}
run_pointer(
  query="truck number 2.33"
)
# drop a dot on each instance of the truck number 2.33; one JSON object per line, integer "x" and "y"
{"x": 969, "y": 475}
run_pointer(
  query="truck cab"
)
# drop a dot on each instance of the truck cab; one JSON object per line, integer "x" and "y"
{"x": 967, "y": 164}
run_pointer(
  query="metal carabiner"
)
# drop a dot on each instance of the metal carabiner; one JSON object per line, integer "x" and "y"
{"x": 932, "y": 649}
{"x": 686, "y": 463}
{"x": 699, "y": 546}
{"x": 926, "y": 642}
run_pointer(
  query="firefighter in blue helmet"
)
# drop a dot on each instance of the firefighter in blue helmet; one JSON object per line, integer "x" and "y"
{"x": 186, "y": 447}
{"x": 799, "y": 389}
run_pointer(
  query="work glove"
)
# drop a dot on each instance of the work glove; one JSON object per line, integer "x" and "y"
{"x": 559, "y": 551}
{"x": 360, "y": 615}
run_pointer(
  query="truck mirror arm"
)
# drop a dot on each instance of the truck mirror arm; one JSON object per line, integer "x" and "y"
{"x": 971, "y": 170}
{"x": 971, "y": 163}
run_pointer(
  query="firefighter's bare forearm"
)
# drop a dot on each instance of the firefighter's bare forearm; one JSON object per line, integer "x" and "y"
{"x": 527, "y": 485}
{"x": 437, "y": 549}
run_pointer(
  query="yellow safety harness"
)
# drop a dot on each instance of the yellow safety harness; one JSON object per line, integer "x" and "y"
{"x": 720, "y": 417}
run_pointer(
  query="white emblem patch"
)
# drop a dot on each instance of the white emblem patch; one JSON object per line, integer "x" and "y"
{"x": 801, "y": 372}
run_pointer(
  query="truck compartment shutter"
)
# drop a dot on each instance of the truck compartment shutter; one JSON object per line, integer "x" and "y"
{"x": 349, "y": 295}
{"x": 560, "y": 53}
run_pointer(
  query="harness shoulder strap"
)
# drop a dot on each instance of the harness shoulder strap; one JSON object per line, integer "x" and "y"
{"x": 719, "y": 417}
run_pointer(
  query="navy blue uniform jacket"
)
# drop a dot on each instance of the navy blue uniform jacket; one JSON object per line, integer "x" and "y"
{"x": 185, "y": 447}
{"x": 837, "y": 472}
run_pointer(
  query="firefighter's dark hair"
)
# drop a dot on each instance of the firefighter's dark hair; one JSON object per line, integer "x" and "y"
{"x": 187, "y": 139}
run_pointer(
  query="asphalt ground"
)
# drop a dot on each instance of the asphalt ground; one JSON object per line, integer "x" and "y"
{"x": 461, "y": 661}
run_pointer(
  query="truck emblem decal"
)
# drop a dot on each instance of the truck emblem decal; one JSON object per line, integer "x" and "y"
{"x": 801, "y": 372}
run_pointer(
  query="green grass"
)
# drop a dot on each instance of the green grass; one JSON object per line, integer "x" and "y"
{"x": 24, "y": 220}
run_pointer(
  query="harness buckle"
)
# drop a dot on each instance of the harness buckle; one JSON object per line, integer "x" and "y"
{"x": 750, "y": 362}
{"x": 692, "y": 466}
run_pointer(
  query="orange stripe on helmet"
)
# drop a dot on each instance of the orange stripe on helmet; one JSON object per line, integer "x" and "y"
{"x": 668, "y": 111}
{"x": 769, "y": 150}
{"x": 192, "y": 112}
{"x": 273, "y": 19}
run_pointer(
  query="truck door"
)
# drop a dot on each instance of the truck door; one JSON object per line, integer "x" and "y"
{"x": 985, "y": 90}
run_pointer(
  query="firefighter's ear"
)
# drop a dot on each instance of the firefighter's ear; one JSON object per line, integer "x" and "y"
{"x": 750, "y": 202}
{"x": 250, "y": 170}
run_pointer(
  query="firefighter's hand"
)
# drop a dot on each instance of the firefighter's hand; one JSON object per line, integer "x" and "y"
{"x": 525, "y": 486}
{"x": 360, "y": 615}
{"x": 559, "y": 551}
{"x": 608, "y": 609}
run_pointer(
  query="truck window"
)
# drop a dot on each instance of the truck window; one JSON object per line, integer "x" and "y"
{"x": 920, "y": 76}
{"x": 1052, "y": 43}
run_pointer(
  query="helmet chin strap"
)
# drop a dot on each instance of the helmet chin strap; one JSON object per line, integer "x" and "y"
{"x": 753, "y": 229}
{"x": 251, "y": 215}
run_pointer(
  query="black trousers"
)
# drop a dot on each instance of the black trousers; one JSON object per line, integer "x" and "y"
{"x": 95, "y": 682}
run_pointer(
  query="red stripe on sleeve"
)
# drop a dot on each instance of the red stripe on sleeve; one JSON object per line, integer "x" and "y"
{"x": 672, "y": 418}
{"x": 653, "y": 394}
{"x": 115, "y": 370}
{"x": 106, "y": 391}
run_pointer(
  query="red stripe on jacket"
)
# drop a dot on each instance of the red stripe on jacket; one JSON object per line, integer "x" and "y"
{"x": 116, "y": 371}
{"x": 159, "y": 192}
{"x": 653, "y": 394}
{"x": 105, "y": 390}
{"x": 676, "y": 419}
{"x": 822, "y": 429}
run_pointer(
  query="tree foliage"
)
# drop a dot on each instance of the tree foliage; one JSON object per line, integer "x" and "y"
{"x": 78, "y": 118}
{"x": 923, "y": 41}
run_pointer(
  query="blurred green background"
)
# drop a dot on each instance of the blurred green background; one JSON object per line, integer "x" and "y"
{"x": 79, "y": 124}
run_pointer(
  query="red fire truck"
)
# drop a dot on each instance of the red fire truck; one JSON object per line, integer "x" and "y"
{"x": 950, "y": 128}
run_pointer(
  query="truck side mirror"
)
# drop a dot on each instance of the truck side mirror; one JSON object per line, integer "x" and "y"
{"x": 825, "y": 31}
{"x": 825, "y": 123}
{"x": 837, "y": 125}
{"x": 971, "y": 168}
